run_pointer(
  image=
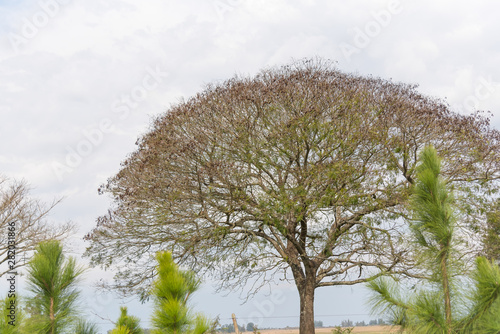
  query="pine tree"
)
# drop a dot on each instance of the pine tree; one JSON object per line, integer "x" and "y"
{"x": 434, "y": 224}
{"x": 438, "y": 308}
{"x": 85, "y": 327}
{"x": 171, "y": 292}
{"x": 53, "y": 278}
{"x": 127, "y": 324}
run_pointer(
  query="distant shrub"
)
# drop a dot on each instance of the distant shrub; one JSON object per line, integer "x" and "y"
{"x": 342, "y": 330}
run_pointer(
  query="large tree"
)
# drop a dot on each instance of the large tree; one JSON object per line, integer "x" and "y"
{"x": 24, "y": 224}
{"x": 300, "y": 170}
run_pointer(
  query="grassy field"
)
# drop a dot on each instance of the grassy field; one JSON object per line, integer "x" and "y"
{"x": 364, "y": 330}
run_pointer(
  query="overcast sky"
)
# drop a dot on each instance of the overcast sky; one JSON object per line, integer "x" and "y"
{"x": 80, "y": 81}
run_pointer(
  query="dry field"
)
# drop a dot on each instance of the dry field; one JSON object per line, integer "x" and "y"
{"x": 364, "y": 329}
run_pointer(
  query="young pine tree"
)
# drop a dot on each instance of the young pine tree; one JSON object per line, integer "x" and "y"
{"x": 171, "y": 292}
{"x": 85, "y": 327}
{"x": 438, "y": 309}
{"x": 53, "y": 278}
{"x": 127, "y": 324}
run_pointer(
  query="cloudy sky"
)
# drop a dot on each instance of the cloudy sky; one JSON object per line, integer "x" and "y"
{"x": 80, "y": 81}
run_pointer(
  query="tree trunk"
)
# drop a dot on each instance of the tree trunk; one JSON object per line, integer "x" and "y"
{"x": 446, "y": 292}
{"x": 52, "y": 316}
{"x": 306, "y": 292}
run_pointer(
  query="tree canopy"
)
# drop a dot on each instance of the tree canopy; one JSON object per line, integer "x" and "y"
{"x": 301, "y": 170}
{"x": 491, "y": 238}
